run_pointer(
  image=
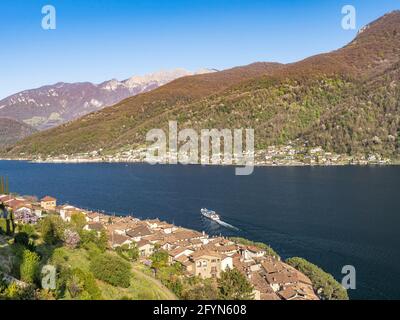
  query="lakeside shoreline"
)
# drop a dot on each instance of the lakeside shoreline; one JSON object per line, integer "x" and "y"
{"x": 394, "y": 163}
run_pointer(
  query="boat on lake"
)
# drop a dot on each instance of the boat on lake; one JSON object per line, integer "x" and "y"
{"x": 209, "y": 214}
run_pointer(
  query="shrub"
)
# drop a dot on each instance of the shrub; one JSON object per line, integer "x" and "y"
{"x": 130, "y": 254}
{"x": 204, "y": 290}
{"x": 30, "y": 266}
{"x": 14, "y": 292}
{"x": 92, "y": 249}
{"x": 82, "y": 285}
{"x": 22, "y": 238}
{"x": 112, "y": 269}
{"x": 28, "y": 229}
{"x": 323, "y": 283}
{"x": 44, "y": 294}
{"x": 92, "y": 237}
{"x": 59, "y": 256}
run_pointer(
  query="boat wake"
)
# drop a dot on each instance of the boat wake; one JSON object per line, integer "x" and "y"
{"x": 227, "y": 225}
{"x": 213, "y": 216}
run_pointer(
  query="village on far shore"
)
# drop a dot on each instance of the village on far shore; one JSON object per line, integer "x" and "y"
{"x": 294, "y": 153}
{"x": 199, "y": 254}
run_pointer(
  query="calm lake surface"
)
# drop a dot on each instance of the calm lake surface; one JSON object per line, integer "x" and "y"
{"x": 332, "y": 216}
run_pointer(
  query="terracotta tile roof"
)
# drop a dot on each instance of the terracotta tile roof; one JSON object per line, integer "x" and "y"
{"x": 282, "y": 278}
{"x": 119, "y": 238}
{"x": 185, "y": 234}
{"x": 14, "y": 204}
{"x": 269, "y": 296}
{"x": 254, "y": 249}
{"x": 117, "y": 227}
{"x": 142, "y": 243}
{"x": 93, "y": 215}
{"x": 178, "y": 251}
{"x": 271, "y": 265}
{"x": 288, "y": 293}
{"x": 95, "y": 226}
{"x": 5, "y": 198}
{"x": 156, "y": 236}
{"x": 202, "y": 253}
{"x": 139, "y": 231}
{"x": 48, "y": 198}
{"x": 183, "y": 259}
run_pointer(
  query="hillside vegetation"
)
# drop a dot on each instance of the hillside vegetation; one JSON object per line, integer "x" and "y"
{"x": 11, "y": 131}
{"x": 346, "y": 101}
{"x": 326, "y": 286}
{"x": 85, "y": 270}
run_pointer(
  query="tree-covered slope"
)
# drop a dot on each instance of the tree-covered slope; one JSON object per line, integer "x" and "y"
{"x": 345, "y": 101}
{"x": 12, "y": 130}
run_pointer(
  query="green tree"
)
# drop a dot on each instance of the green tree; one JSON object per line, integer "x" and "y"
{"x": 159, "y": 259}
{"x": 29, "y": 266}
{"x": 112, "y": 269}
{"x": 52, "y": 229}
{"x": 233, "y": 285}
{"x": 102, "y": 241}
{"x": 78, "y": 221}
{"x": 88, "y": 236}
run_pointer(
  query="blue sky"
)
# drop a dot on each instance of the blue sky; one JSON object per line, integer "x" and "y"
{"x": 97, "y": 40}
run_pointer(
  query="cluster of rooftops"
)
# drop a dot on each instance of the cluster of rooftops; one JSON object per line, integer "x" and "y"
{"x": 199, "y": 254}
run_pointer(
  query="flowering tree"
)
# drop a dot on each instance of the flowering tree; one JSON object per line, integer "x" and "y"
{"x": 26, "y": 216}
{"x": 71, "y": 238}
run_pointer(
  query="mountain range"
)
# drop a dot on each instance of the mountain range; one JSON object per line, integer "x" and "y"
{"x": 52, "y": 105}
{"x": 346, "y": 101}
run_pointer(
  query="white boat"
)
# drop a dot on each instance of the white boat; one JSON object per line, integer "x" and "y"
{"x": 212, "y": 215}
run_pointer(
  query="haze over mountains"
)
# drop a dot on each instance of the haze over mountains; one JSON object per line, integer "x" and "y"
{"x": 347, "y": 101}
{"x": 52, "y": 105}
